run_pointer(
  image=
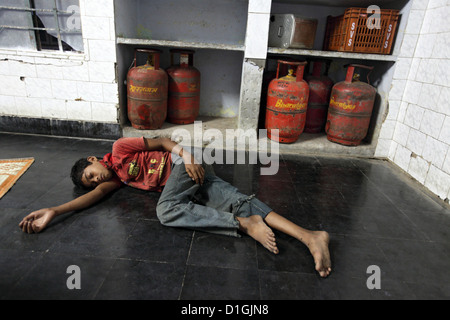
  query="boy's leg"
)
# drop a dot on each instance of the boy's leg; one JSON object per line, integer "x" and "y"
{"x": 224, "y": 209}
{"x": 248, "y": 210}
{"x": 177, "y": 207}
{"x": 316, "y": 241}
{"x": 221, "y": 195}
{"x": 255, "y": 218}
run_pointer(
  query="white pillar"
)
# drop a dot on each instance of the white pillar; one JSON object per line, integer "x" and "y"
{"x": 254, "y": 61}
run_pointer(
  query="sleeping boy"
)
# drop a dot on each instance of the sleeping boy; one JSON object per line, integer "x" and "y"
{"x": 192, "y": 196}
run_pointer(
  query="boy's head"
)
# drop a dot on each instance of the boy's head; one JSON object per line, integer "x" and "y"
{"x": 87, "y": 173}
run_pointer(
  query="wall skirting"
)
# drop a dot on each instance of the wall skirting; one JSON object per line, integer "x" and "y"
{"x": 70, "y": 128}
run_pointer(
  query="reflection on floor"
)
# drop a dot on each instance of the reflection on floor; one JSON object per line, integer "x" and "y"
{"x": 375, "y": 215}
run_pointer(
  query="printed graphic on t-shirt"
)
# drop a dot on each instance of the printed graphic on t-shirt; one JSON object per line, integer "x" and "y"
{"x": 133, "y": 169}
{"x": 154, "y": 168}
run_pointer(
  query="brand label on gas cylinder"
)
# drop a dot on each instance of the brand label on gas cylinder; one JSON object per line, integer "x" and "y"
{"x": 297, "y": 106}
{"x": 342, "y": 105}
{"x": 142, "y": 89}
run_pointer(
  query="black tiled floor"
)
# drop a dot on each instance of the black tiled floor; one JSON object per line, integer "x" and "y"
{"x": 374, "y": 214}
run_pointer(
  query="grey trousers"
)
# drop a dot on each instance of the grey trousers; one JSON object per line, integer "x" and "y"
{"x": 211, "y": 207}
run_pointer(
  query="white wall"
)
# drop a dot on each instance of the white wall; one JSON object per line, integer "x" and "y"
{"x": 221, "y": 22}
{"x": 65, "y": 85}
{"x": 416, "y": 132}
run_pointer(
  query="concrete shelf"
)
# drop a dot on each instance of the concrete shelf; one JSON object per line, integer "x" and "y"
{"x": 180, "y": 44}
{"x": 332, "y": 54}
{"x": 308, "y": 143}
{"x": 168, "y": 129}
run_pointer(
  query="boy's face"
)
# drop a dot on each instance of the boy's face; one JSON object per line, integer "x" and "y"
{"x": 95, "y": 174}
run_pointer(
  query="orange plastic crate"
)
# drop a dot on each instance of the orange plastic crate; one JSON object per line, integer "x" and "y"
{"x": 349, "y": 32}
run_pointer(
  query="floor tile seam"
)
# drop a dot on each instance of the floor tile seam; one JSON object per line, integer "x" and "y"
{"x": 145, "y": 219}
{"x": 410, "y": 283}
{"x": 56, "y": 237}
{"x": 400, "y": 213}
{"x": 113, "y": 256}
{"x": 24, "y": 251}
{"x": 334, "y": 184}
{"x": 121, "y": 258}
{"x": 337, "y": 274}
{"x": 333, "y": 187}
{"x": 309, "y": 184}
{"x": 377, "y": 238}
{"x": 103, "y": 280}
{"x": 186, "y": 266}
{"x": 299, "y": 273}
{"x": 71, "y": 254}
{"x": 144, "y": 260}
{"x": 224, "y": 268}
{"x": 257, "y": 269}
{"x": 424, "y": 241}
{"x": 297, "y": 195}
{"x": 379, "y": 189}
{"x": 221, "y": 267}
{"x": 29, "y": 271}
{"x": 131, "y": 231}
{"x": 372, "y": 236}
{"x": 416, "y": 227}
{"x": 345, "y": 158}
{"x": 114, "y": 260}
{"x": 35, "y": 262}
{"x": 290, "y": 175}
{"x": 410, "y": 181}
{"x": 392, "y": 263}
{"x": 424, "y": 282}
{"x": 29, "y": 205}
{"x": 413, "y": 225}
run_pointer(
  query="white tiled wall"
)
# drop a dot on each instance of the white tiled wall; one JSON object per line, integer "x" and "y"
{"x": 257, "y": 29}
{"x": 66, "y": 86}
{"x": 416, "y": 132}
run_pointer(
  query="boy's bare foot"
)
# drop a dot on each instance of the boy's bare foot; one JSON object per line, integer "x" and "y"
{"x": 318, "y": 246}
{"x": 256, "y": 228}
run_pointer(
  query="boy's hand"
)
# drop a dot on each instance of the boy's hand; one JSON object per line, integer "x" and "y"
{"x": 196, "y": 172}
{"x": 36, "y": 221}
{"x": 193, "y": 168}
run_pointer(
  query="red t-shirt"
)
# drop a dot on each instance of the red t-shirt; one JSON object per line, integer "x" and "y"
{"x": 137, "y": 167}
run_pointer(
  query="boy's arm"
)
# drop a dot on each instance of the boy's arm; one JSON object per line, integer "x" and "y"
{"x": 38, "y": 220}
{"x": 193, "y": 168}
{"x": 162, "y": 144}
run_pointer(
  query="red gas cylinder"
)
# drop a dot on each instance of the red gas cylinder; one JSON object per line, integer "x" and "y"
{"x": 319, "y": 97}
{"x": 287, "y": 101}
{"x": 147, "y": 87}
{"x": 184, "y": 89}
{"x": 350, "y": 109}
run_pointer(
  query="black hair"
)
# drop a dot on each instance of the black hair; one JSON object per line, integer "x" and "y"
{"x": 77, "y": 172}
